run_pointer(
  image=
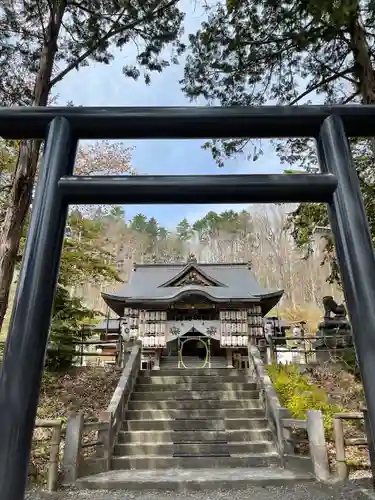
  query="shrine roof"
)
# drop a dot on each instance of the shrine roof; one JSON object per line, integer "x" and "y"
{"x": 170, "y": 282}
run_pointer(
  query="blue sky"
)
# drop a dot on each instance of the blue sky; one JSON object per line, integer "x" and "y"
{"x": 100, "y": 85}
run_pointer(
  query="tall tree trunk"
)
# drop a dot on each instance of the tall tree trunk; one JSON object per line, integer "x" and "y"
{"x": 364, "y": 70}
{"x": 23, "y": 181}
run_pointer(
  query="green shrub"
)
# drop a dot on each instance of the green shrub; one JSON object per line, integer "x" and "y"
{"x": 298, "y": 395}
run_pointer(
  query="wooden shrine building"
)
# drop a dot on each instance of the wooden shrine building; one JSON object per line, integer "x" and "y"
{"x": 192, "y": 314}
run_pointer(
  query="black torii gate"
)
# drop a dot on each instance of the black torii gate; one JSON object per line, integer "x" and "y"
{"x": 337, "y": 185}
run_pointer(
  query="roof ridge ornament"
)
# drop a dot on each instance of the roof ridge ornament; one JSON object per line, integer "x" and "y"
{"x": 191, "y": 259}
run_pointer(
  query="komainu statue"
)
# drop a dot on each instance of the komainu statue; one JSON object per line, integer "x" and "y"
{"x": 334, "y": 331}
{"x": 331, "y": 306}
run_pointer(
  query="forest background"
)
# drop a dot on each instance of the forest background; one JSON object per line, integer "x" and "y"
{"x": 321, "y": 52}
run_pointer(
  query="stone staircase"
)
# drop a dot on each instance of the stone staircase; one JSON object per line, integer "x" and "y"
{"x": 193, "y": 430}
{"x": 191, "y": 418}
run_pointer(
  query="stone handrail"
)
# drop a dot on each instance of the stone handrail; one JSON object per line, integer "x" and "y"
{"x": 280, "y": 420}
{"x": 53, "y": 463}
{"x": 275, "y": 412}
{"x": 114, "y": 413}
{"x": 107, "y": 427}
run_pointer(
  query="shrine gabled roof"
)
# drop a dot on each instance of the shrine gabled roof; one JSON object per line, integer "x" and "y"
{"x": 222, "y": 283}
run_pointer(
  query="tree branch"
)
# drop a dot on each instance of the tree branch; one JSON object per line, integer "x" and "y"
{"x": 40, "y": 15}
{"x": 114, "y": 30}
{"x": 339, "y": 74}
{"x": 319, "y": 84}
{"x": 351, "y": 97}
{"x": 87, "y": 10}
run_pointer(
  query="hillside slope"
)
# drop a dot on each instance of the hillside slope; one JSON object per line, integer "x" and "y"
{"x": 86, "y": 389}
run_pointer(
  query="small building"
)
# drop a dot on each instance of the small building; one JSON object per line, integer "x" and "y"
{"x": 192, "y": 314}
{"x": 108, "y": 331}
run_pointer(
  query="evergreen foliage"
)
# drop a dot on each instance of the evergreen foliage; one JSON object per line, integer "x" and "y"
{"x": 288, "y": 53}
{"x": 42, "y": 41}
{"x": 67, "y": 328}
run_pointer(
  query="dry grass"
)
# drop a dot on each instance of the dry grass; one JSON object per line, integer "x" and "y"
{"x": 347, "y": 391}
{"x": 87, "y": 390}
{"x": 310, "y": 313}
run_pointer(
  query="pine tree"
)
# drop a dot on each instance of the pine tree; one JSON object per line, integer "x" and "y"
{"x": 288, "y": 53}
{"x": 43, "y": 41}
{"x": 256, "y": 53}
{"x": 184, "y": 230}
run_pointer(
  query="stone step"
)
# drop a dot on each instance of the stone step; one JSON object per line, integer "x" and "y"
{"x": 154, "y": 437}
{"x": 204, "y": 386}
{"x": 167, "y": 462}
{"x": 194, "y": 364}
{"x": 173, "y": 359}
{"x": 195, "y": 404}
{"x": 195, "y": 380}
{"x": 185, "y": 480}
{"x": 177, "y": 395}
{"x": 203, "y": 449}
{"x": 200, "y": 425}
{"x": 200, "y": 414}
{"x": 195, "y": 372}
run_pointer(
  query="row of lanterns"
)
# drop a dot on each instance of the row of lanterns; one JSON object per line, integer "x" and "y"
{"x": 154, "y": 341}
{"x": 234, "y": 340}
{"x": 255, "y": 309}
{"x": 152, "y": 329}
{"x": 228, "y": 328}
{"x": 233, "y": 315}
{"x": 256, "y": 331}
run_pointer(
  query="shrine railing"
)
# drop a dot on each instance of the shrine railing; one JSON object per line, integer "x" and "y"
{"x": 282, "y": 424}
{"x": 342, "y": 442}
{"x": 89, "y": 444}
{"x": 54, "y": 442}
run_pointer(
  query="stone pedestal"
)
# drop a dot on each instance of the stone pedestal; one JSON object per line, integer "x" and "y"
{"x": 229, "y": 358}
{"x": 157, "y": 360}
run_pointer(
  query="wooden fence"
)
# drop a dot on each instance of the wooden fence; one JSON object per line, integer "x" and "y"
{"x": 54, "y": 454}
{"x": 89, "y": 445}
{"x": 342, "y": 442}
{"x": 282, "y": 424}
{"x": 290, "y": 433}
{"x": 302, "y": 350}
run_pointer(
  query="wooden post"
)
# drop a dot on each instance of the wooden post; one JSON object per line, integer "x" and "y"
{"x": 341, "y": 467}
{"x": 82, "y": 337}
{"x": 72, "y": 450}
{"x": 250, "y": 367}
{"x": 106, "y": 437}
{"x": 229, "y": 354}
{"x": 119, "y": 352}
{"x": 285, "y": 435}
{"x": 263, "y": 350}
{"x": 273, "y": 350}
{"x": 53, "y": 468}
{"x": 317, "y": 442}
{"x": 157, "y": 359}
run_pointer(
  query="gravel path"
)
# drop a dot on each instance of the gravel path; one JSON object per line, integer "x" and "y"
{"x": 299, "y": 492}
